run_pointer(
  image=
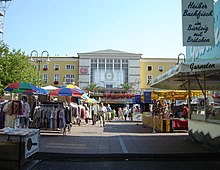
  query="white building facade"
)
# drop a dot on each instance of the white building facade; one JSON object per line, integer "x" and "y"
{"x": 108, "y": 68}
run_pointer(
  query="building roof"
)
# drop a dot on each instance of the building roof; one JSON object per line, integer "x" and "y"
{"x": 109, "y": 51}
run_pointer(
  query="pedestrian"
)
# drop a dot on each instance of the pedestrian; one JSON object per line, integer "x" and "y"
{"x": 185, "y": 111}
{"x": 25, "y": 112}
{"x": 87, "y": 114}
{"x": 120, "y": 113}
{"x": 125, "y": 113}
{"x": 102, "y": 113}
{"x": 109, "y": 109}
{"x": 137, "y": 111}
{"x": 94, "y": 110}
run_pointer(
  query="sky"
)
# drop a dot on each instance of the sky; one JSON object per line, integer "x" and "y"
{"x": 65, "y": 28}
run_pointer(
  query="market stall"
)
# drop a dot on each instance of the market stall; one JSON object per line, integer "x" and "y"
{"x": 203, "y": 76}
{"x": 159, "y": 124}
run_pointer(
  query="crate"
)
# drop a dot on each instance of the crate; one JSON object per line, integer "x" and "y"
{"x": 9, "y": 155}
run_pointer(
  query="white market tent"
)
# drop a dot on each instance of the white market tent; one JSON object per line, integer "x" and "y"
{"x": 204, "y": 75}
{"x": 49, "y": 88}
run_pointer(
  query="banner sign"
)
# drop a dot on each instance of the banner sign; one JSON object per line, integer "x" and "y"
{"x": 136, "y": 99}
{"x": 198, "y": 22}
{"x": 32, "y": 142}
{"x": 147, "y": 97}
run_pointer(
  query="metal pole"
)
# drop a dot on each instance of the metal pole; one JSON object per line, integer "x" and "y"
{"x": 40, "y": 61}
{"x": 38, "y": 78}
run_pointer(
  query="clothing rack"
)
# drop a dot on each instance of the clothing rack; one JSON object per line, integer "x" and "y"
{"x": 2, "y": 118}
{"x": 51, "y": 104}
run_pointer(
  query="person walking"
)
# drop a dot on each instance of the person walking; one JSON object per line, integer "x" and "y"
{"x": 109, "y": 109}
{"x": 94, "y": 110}
{"x": 87, "y": 114}
{"x": 120, "y": 113}
{"x": 125, "y": 113}
{"x": 102, "y": 113}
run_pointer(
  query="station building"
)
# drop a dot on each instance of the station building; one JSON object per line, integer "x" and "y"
{"x": 107, "y": 68}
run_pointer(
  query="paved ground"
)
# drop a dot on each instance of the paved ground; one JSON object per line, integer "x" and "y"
{"x": 118, "y": 137}
{"x": 120, "y": 145}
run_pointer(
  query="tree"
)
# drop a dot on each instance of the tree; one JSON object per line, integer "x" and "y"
{"x": 126, "y": 86}
{"x": 92, "y": 87}
{"x": 15, "y": 67}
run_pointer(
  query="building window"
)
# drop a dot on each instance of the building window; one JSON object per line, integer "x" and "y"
{"x": 45, "y": 78}
{"x": 149, "y": 78}
{"x": 56, "y": 67}
{"x": 45, "y": 67}
{"x": 56, "y": 77}
{"x": 101, "y": 63}
{"x": 109, "y": 86}
{"x": 160, "y": 68}
{"x": 70, "y": 67}
{"x": 149, "y": 68}
{"x": 117, "y": 64}
{"x": 69, "y": 78}
{"x": 113, "y": 72}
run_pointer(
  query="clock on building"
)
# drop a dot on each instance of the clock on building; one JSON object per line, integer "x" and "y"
{"x": 109, "y": 76}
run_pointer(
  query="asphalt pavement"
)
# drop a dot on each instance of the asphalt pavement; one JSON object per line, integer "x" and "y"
{"x": 117, "y": 145}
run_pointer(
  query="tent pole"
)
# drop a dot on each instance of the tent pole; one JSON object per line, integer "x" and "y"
{"x": 205, "y": 98}
{"x": 189, "y": 98}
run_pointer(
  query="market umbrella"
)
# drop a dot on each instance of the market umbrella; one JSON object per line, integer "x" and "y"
{"x": 92, "y": 100}
{"x": 85, "y": 96}
{"x": 22, "y": 87}
{"x": 41, "y": 91}
{"x": 66, "y": 92}
{"x": 49, "y": 88}
{"x": 72, "y": 86}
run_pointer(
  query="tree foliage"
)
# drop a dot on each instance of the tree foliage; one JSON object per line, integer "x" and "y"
{"x": 15, "y": 67}
{"x": 126, "y": 86}
{"x": 92, "y": 87}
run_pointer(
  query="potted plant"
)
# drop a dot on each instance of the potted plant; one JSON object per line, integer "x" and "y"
{"x": 56, "y": 82}
{"x": 45, "y": 68}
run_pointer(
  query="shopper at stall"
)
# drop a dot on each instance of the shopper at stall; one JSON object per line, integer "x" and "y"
{"x": 185, "y": 111}
{"x": 25, "y": 112}
{"x": 136, "y": 109}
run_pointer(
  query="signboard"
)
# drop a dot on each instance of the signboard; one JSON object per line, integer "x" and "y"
{"x": 147, "y": 97}
{"x": 84, "y": 70}
{"x": 198, "y": 23}
{"x": 32, "y": 143}
{"x": 197, "y": 53}
{"x": 137, "y": 117}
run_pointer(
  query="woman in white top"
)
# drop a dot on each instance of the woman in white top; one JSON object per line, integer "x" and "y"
{"x": 125, "y": 113}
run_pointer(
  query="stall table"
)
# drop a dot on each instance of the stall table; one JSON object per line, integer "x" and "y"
{"x": 16, "y": 145}
{"x": 180, "y": 124}
{"x": 164, "y": 125}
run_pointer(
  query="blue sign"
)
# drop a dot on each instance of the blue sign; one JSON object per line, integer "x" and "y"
{"x": 136, "y": 99}
{"x": 147, "y": 97}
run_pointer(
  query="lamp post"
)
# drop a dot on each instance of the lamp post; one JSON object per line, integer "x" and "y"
{"x": 184, "y": 58}
{"x": 39, "y": 60}
{"x": 137, "y": 84}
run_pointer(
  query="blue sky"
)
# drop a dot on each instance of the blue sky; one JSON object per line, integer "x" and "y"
{"x": 152, "y": 28}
